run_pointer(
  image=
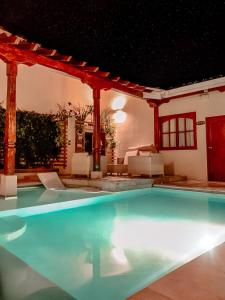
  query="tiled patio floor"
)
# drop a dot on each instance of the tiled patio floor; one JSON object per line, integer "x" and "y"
{"x": 201, "y": 279}
{"x": 208, "y": 186}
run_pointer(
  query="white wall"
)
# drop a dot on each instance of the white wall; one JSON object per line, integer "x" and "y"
{"x": 40, "y": 89}
{"x": 193, "y": 163}
{"x": 138, "y": 128}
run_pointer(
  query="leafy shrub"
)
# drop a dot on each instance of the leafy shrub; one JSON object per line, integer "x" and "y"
{"x": 37, "y": 138}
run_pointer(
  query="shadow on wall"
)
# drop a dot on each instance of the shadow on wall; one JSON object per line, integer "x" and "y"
{"x": 169, "y": 169}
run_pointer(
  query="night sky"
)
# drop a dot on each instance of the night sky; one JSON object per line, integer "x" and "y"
{"x": 158, "y": 43}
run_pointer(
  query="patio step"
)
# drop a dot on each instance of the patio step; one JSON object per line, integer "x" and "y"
{"x": 168, "y": 179}
{"x": 111, "y": 184}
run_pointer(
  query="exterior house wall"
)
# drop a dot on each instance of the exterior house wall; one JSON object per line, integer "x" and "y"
{"x": 138, "y": 128}
{"x": 40, "y": 89}
{"x": 193, "y": 163}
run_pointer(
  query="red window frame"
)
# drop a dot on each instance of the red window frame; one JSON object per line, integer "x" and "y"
{"x": 163, "y": 119}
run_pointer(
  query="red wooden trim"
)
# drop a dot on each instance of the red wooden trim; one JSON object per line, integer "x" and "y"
{"x": 132, "y": 85}
{"x": 97, "y": 130}
{"x": 45, "y": 57}
{"x": 177, "y": 129}
{"x": 103, "y": 74}
{"x": 10, "y": 121}
{"x": 124, "y": 82}
{"x": 156, "y": 127}
{"x": 65, "y": 143}
{"x": 4, "y": 38}
{"x": 166, "y": 100}
{"x": 182, "y": 115}
{"x": 162, "y": 119}
{"x": 91, "y": 69}
{"x": 46, "y": 52}
{"x": 208, "y": 139}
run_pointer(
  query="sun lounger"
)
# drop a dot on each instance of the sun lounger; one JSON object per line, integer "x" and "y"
{"x": 51, "y": 180}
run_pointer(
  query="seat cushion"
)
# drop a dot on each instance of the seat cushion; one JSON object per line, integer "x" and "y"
{"x": 129, "y": 153}
{"x": 145, "y": 153}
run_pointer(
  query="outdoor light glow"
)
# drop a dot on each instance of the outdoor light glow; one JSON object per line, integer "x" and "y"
{"x": 119, "y": 116}
{"x": 118, "y": 254}
{"x": 119, "y": 102}
{"x": 174, "y": 239}
{"x": 207, "y": 242}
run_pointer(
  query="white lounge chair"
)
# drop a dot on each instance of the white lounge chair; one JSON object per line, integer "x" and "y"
{"x": 51, "y": 180}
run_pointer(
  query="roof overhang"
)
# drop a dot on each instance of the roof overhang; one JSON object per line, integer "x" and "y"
{"x": 163, "y": 96}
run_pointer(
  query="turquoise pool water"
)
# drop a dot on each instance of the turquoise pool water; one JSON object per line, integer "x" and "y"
{"x": 108, "y": 247}
{"x": 37, "y": 196}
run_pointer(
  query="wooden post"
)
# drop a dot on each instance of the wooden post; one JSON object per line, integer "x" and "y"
{"x": 156, "y": 126}
{"x": 10, "y": 121}
{"x": 97, "y": 130}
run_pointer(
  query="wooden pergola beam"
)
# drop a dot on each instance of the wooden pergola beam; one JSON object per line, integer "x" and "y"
{"x": 10, "y": 121}
{"x": 46, "y": 52}
{"x": 5, "y": 39}
{"x": 115, "y": 78}
{"x": 97, "y": 130}
{"x": 11, "y": 53}
{"x": 102, "y": 74}
{"x": 63, "y": 58}
{"x": 27, "y": 46}
{"x": 77, "y": 63}
{"x": 91, "y": 69}
{"x": 140, "y": 88}
{"x": 132, "y": 85}
{"x": 124, "y": 82}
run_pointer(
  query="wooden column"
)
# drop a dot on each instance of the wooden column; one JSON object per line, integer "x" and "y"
{"x": 10, "y": 121}
{"x": 156, "y": 126}
{"x": 97, "y": 130}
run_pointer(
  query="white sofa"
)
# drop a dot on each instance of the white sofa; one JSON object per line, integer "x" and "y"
{"x": 82, "y": 164}
{"x": 146, "y": 165}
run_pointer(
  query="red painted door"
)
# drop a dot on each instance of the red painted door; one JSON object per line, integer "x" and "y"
{"x": 215, "y": 134}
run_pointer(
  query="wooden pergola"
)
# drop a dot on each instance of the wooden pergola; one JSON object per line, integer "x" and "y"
{"x": 16, "y": 50}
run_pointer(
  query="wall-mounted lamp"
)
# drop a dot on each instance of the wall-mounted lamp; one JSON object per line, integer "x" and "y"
{"x": 119, "y": 116}
{"x": 118, "y": 102}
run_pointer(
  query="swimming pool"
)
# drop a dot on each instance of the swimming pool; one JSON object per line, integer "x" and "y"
{"x": 110, "y": 246}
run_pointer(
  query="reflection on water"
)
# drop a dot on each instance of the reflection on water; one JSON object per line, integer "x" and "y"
{"x": 110, "y": 249}
{"x": 11, "y": 228}
{"x": 29, "y": 197}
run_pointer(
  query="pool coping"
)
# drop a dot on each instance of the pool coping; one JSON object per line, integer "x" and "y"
{"x": 193, "y": 189}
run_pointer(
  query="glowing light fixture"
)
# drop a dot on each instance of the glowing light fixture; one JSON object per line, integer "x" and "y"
{"x": 118, "y": 102}
{"x": 119, "y": 116}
